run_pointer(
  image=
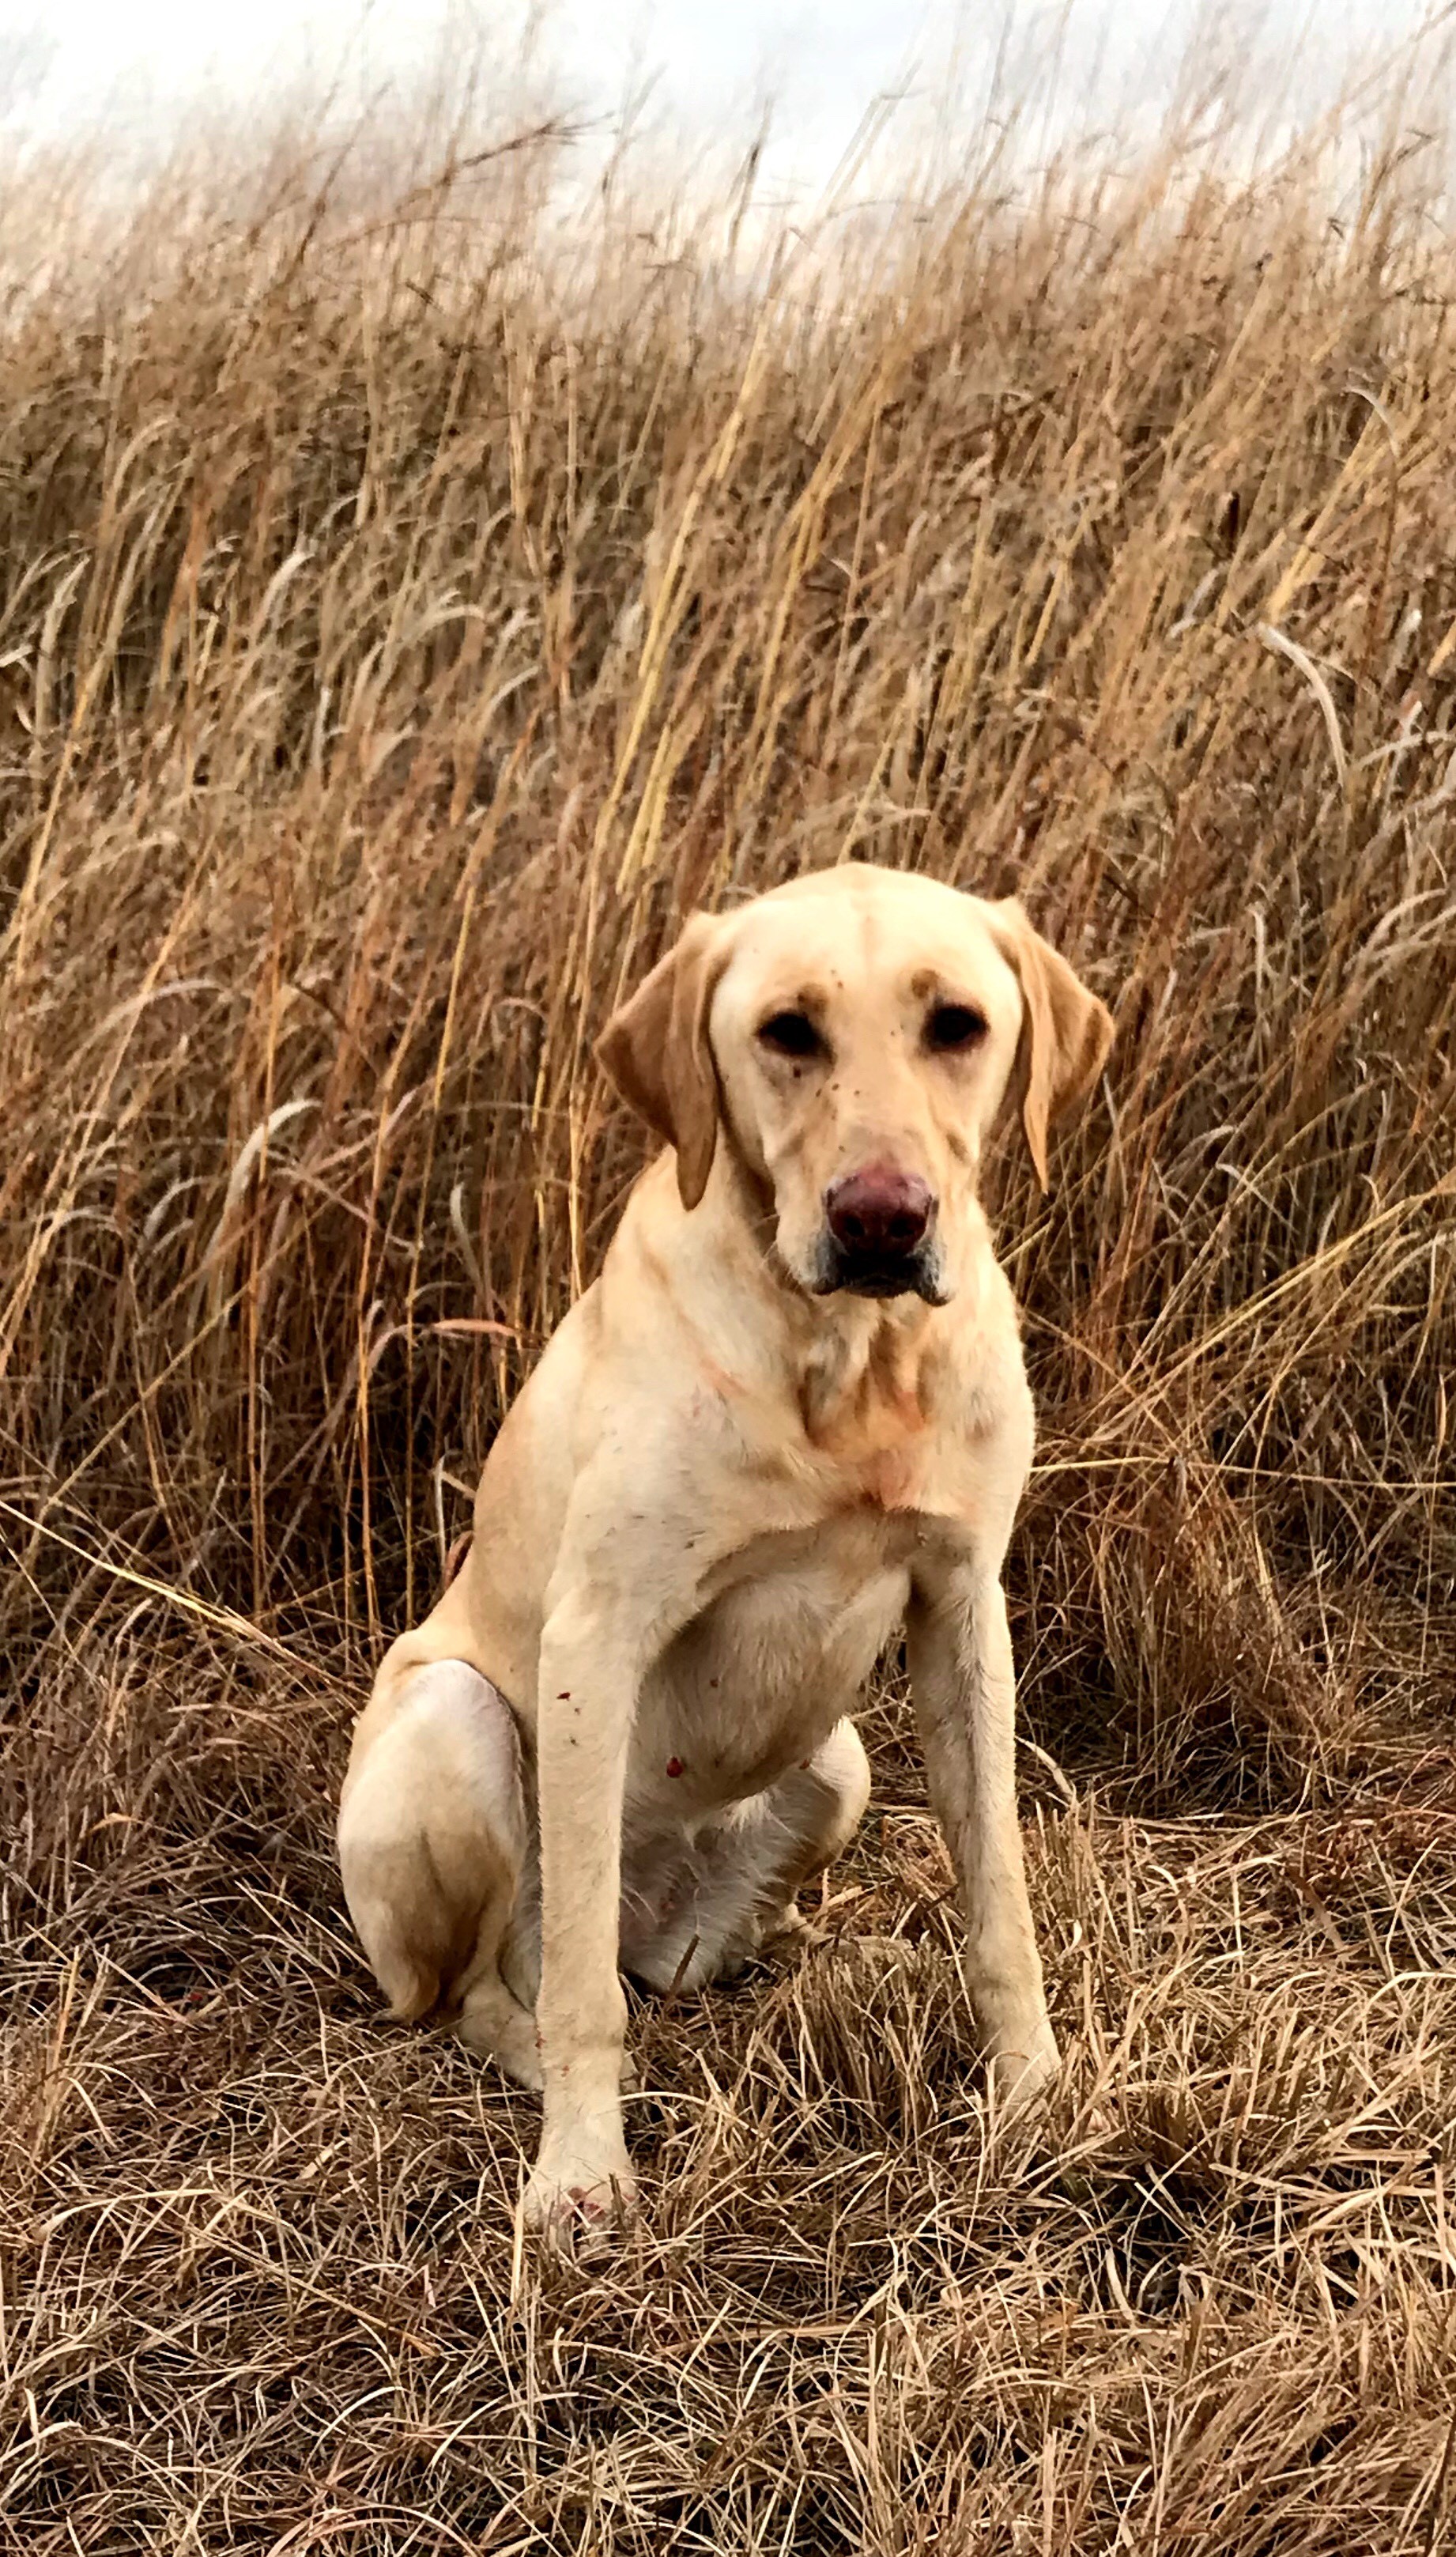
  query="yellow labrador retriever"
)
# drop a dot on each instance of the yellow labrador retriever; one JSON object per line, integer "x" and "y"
{"x": 790, "y": 1415}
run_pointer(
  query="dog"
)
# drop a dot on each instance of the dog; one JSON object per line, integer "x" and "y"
{"x": 789, "y": 1417}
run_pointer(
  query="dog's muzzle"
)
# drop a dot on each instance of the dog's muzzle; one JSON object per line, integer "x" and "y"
{"x": 880, "y": 1237}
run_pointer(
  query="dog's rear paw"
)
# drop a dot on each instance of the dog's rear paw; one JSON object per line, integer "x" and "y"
{"x": 786, "y": 1932}
{"x": 492, "y": 2025}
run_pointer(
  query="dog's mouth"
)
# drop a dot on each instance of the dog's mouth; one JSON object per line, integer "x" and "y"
{"x": 895, "y": 1274}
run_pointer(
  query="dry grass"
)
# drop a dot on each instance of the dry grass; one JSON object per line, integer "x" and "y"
{"x": 406, "y": 610}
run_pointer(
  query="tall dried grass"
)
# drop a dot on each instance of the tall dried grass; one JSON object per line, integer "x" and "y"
{"x": 409, "y": 607}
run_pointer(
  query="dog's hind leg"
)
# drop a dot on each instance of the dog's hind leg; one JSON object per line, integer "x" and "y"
{"x": 432, "y": 1841}
{"x": 823, "y": 1804}
{"x": 735, "y": 1888}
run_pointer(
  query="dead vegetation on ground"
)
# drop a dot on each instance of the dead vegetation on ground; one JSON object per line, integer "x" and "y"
{"x": 408, "y": 609}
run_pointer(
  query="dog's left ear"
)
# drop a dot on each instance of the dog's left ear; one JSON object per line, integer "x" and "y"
{"x": 656, "y": 1050}
{"x": 1066, "y": 1033}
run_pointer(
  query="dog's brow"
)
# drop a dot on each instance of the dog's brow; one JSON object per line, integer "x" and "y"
{"x": 801, "y": 999}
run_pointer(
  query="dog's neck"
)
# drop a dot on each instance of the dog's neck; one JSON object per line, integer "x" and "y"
{"x": 861, "y": 1369}
{"x": 862, "y": 1384}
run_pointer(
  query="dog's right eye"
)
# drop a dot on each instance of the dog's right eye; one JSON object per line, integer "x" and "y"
{"x": 791, "y": 1034}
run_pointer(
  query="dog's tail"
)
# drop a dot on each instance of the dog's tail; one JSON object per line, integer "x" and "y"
{"x": 432, "y": 1835}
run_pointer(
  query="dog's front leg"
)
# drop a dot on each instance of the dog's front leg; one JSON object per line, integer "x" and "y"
{"x": 965, "y": 1689}
{"x": 588, "y": 1677}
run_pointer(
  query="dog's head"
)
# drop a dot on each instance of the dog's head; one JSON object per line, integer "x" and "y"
{"x": 853, "y": 1035}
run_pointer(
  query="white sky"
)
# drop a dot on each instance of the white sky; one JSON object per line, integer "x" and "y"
{"x": 135, "y": 64}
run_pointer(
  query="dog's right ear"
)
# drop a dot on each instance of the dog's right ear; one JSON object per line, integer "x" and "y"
{"x": 657, "y": 1051}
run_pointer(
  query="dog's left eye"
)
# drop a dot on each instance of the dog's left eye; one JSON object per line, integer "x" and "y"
{"x": 953, "y": 1025}
{"x": 791, "y": 1034}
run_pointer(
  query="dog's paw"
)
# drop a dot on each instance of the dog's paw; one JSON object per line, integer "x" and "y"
{"x": 517, "y": 2051}
{"x": 786, "y": 1933}
{"x": 491, "y": 2025}
{"x": 581, "y": 2195}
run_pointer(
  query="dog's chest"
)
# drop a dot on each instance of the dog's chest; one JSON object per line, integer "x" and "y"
{"x": 759, "y": 1680}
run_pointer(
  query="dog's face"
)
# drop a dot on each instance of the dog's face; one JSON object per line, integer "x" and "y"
{"x": 853, "y": 1035}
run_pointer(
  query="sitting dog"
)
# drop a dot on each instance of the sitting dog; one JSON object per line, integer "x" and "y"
{"x": 790, "y": 1416}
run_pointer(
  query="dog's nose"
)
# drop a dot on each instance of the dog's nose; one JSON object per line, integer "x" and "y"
{"x": 879, "y": 1211}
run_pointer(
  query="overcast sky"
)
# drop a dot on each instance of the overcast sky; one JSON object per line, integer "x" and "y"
{"x": 132, "y": 63}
